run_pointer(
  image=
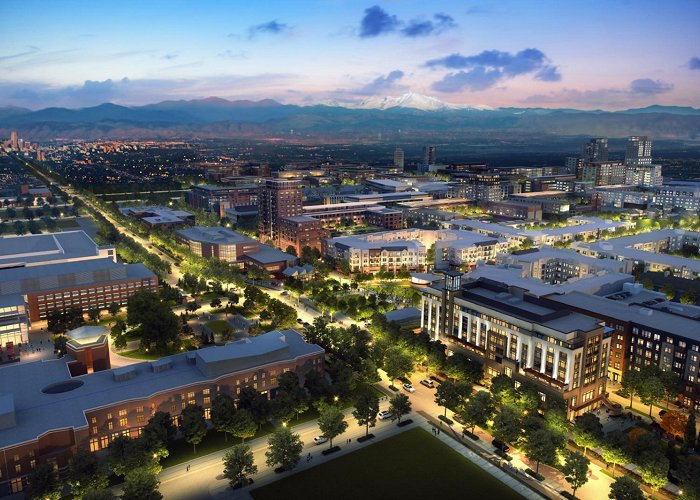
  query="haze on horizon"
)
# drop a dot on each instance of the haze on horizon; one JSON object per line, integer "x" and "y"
{"x": 578, "y": 54}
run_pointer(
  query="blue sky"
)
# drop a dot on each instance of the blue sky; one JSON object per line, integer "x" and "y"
{"x": 583, "y": 54}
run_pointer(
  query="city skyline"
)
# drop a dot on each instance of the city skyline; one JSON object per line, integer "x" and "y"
{"x": 476, "y": 53}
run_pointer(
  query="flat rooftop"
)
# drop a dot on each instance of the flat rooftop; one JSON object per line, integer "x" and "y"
{"x": 269, "y": 255}
{"x": 214, "y": 235}
{"x": 38, "y": 248}
{"x": 37, "y": 412}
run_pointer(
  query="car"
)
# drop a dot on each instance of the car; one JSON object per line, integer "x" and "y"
{"x": 428, "y": 383}
{"x": 299, "y": 321}
{"x": 408, "y": 387}
{"x": 500, "y": 445}
{"x": 383, "y": 415}
{"x": 284, "y": 294}
{"x": 320, "y": 439}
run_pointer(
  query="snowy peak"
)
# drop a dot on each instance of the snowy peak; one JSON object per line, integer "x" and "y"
{"x": 407, "y": 100}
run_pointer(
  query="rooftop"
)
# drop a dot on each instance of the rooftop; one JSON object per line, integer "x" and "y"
{"x": 42, "y": 248}
{"x": 215, "y": 235}
{"x": 269, "y": 255}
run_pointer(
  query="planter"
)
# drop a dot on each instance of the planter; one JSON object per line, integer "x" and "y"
{"x": 471, "y": 436}
{"x": 446, "y": 420}
{"x": 240, "y": 485}
{"x": 404, "y": 423}
{"x": 395, "y": 389}
{"x": 280, "y": 470}
{"x": 330, "y": 450}
{"x": 365, "y": 438}
{"x": 535, "y": 475}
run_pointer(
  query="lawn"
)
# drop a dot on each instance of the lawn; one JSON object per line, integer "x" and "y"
{"x": 219, "y": 326}
{"x": 411, "y": 465}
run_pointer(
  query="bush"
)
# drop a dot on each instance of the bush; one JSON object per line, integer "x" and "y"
{"x": 534, "y": 474}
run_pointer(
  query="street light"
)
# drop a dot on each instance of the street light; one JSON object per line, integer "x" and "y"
{"x": 335, "y": 399}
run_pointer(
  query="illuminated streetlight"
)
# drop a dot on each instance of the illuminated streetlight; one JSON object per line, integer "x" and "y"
{"x": 335, "y": 399}
{"x": 284, "y": 424}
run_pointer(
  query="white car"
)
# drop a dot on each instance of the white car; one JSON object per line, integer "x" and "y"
{"x": 428, "y": 383}
{"x": 320, "y": 439}
{"x": 408, "y": 387}
{"x": 383, "y": 415}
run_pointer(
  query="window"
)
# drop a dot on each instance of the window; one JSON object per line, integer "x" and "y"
{"x": 109, "y": 426}
{"x": 190, "y": 395}
{"x": 32, "y": 464}
{"x": 206, "y": 391}
{"x": 16, "y": 458}
{"x": 18, "y": 468}
{"x": 109, "y": 415}
{"x": 122, "y": 413}
{"x": 140, "y": 419}
{"x": 94, "y": 445}
{"x": 123, "y": 422}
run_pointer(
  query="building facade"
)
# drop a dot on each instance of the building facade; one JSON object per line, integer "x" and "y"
{"x": 279, "y": 198}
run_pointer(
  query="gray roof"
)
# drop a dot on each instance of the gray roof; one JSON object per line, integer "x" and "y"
{"x": 268, "y": 255}
{"x": 215, "y": 235}
{"x": 39, "y": 248}
{"x": 403, "y": 315}
{"x": 37, "y": 412}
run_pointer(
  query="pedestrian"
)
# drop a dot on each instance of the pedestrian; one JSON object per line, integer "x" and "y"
{"x": 438, "y": 432}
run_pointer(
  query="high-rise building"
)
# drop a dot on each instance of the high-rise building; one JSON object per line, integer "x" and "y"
{"x": 638, "y": 151}
{"x": 428, "y": 155}
{"x": 398, "y": 158}
{"x": 596, "y": 149}
{"x": 279, "y": 198}
{"x": 644, "y": 175}
{"x": 14, "y": 142}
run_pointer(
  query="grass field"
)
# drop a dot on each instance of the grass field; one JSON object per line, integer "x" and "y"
{"x": 412, "y": 465}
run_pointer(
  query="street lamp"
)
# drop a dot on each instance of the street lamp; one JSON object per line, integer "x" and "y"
{"x": 284, "y": 424}
{"x": 335, "y": 399}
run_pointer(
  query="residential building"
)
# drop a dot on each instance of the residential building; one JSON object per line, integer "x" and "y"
{"x": 217, "y": 199}
{"x": 429, "y": 155}
{"x": 46, "y": 414}
{"x": 602, "y": 173}
{"x": 514, "y": 209}
{"x": 279, "y": 198}
{"x": 512, "y": 332}
{"x": 645, "y": 176}
{"x": 638, "y": 151}
{"x": 399, "y": 158}
{"x": 299, "y": 232}
{"x": 596, "y": 150}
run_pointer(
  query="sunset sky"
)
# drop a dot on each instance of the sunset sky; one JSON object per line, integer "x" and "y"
{"x": 580, "y": 54}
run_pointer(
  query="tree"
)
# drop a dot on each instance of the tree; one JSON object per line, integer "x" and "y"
{"x": 243, "y": 424}
{"x": 256, "y": 403}
{"x": 193, "y": 425}
{"x": 688, "y": 473}
{"x": 86, "y": 473}
{"x": 631, "y": 381}
{"x": 625, "y": 488}
{"x": 284, "y": 449}
{"x": 674, "y": 423}
{"x": 668, "y": 289}
{"x": 399, "y": 405}
{"x": 113, "y": 308}
{"x": 506, "y": 425}
{"x": 587, "y": 432}
{"x": 672, "y": 383}
{"x": 503, "y": 390}
{"x": 541, "y": 446}
{"x": 447, "y": 395}
{"x": 690, "y": 434}
{"x": 222, "y": 411}
{"x": 159, "y": 431}
{"x": 651, "y": 390}
{"x": 479, "y": 410}
{"x": 689, "y": 296}
{"x": 331, "y": 421}
{"x": 43, "y": 483}
{"x": 155, "y": 319}
{"x": 615, "y": 449}
{"x": 651, "y": 462}
{"x": 141, "y": 484}
{"x": 125, "y": 454}
{"x": 98, "y": 495}
{"x": 366, "y": 409}
{"x": 397, "y": 363}
{"x": 291, "y": 250}
{"x": 576, "y": 470}
{"x": 215, "y": 303}
{"x": 239, "y": 465}
{"x": 94, "y": 314}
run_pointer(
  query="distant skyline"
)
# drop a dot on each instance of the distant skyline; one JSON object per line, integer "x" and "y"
{"x": 576, "y": 54}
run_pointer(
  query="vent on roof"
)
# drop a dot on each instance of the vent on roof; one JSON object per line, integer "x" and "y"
{"x": 191, "y": 357}
{"x": 125, "y": 373}
{"x": 645, "y": 312}
{"x": 161, "y": 365}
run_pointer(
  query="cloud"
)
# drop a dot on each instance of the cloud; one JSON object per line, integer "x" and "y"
{"x": 230, "y": 54}
{"x": 271, "y": 28}
{"x": 381, "y": 84}
{"x": 31, "y": 51}
{"x": 486, "y": 69}
{"x": 418, "y": 28}
{"x": 636, "y": 93}
{"x": 377, "y": 21}
{"x": 647, "y": 86}
{"x": 694, "y": 63}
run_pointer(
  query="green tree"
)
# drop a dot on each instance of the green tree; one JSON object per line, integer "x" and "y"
{"x": 689, "y": 296}
{"x": 366, "y": 410}
{"x": 284, "y": 449}
{"x": 615, "y": 449}
{"x": 85, "y": 472}
{"x": 653, "y": 466}
{"x": 243, "y": 424}
{"x": 625, "y": 488}
{"x": 397, "y": 363}
{"x": 193, "y": 425}
{"x": 651, "y": 390}
{"x": 690, "y": 434}
{"x": 478, "y": 410}
{"x": 447, "y": 395}
{"x": 256, "y": 403}
{"x": 631, "y": 382}
{"x": 215, "y": 303}
{"x": 587, "y": 432}
{"x": 113, "y": 308}
{"x": 239, "y": 465}
{"x": 506, "y": 425}
{"x": 159, "y": 431}
{"x": 399, "y": 405}
{"x": 94, "y": 314}
{"x": 331, "y": 421}
{"x": 141, "y": 484}
{"x": 673, "y": 385}
{"x": 688, "y": 473}
{"x": 156, "y": 321}
{"x": 503, "y": 390}
{"x": 668, "y": 289}
{"x": 43, "y": 483}
{"x": 222, "y": 411}
{"x": 542, "y": 446}
{"x": 98, "y": 495}
{"x": 125, "y": 454}
{"x": 576, "y": 470}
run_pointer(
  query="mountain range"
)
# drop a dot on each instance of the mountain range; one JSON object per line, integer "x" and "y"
{"x": 410, "y": 116}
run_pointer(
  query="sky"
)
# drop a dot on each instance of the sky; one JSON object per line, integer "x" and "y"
{"x": 612, "y": 54}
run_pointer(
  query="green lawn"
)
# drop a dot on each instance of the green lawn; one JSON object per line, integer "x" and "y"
{"x": 139, "y": 354}
{"x": 219, "y": 326}
{"x": 411, "y": 465}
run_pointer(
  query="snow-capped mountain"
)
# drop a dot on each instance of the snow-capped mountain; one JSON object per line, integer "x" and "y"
{"x": 407, "y": 100}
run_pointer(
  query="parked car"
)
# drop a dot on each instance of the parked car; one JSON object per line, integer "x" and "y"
{"x": 408, "y": 387}
{"x": 383, "y": 415}
{"x": 300, "y": 321}
{"x": 320, "y": 439}
{"x": 428, "y": 383}
{"x": 500, "y": 445}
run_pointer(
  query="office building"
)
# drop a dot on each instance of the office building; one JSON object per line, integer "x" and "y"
{"x": 638, "y": 151}
{"x": 217, "y": 242}
{"x": 596, "y": 150}
{"x": 511, "y": 332}
{"x": 399, "y": 158}
{"x": 217, "y": 199}
{"x": 14, "y": 320}
{"x": 55, "y": 272}
{"x": 645, "y": 176}
{"x": 279, "y": 198}
{"x": 299, "y": 232}
{"x": 429, "y": 157}
{"x": 514, "y": 209}
{"x": 14, "y": 142}
{"x": 602, "y": 173}
{"x": 46, "y": 414}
